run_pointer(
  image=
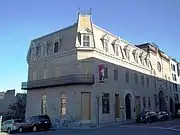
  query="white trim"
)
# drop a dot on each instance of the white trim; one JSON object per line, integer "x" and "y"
{"x": 85, "y": 31}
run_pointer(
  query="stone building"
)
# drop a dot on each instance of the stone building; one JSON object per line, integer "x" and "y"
{"x": 95, "y": 76}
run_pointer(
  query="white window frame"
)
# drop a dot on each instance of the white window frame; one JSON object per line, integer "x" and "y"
{"x": 83, "y": 41}
{"x": 56, "y": 41}
{"x": 43, "y": 106}
{"x": 136, "y": 57}
{"x": 106, "y": 45}
{"x": 116, "y": 50}
{"x": 63, "y": 104}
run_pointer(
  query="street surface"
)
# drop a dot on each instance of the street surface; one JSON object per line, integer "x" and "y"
{"x": 158, "y": 128}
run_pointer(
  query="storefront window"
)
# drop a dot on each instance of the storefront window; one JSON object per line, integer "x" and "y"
{"x": 105, "y": 103}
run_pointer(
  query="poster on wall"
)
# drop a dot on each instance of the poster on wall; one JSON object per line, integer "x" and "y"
{"x": 102, "y": 73}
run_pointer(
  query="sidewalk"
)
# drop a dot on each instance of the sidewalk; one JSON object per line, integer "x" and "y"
{"x": 94, "y": 126}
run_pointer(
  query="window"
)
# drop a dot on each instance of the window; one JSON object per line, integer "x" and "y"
{"x": 116, "y": 50}
{"x": 174, "y": 77}
{"x": 173, "y": 68}
{"x": 56, "y": 47}
{"x": 127, "y": 54}
{"x": 127, "y": 76}
{"x": 147, "y": 62}
{"x": 106, "y": 45}
{"x": 135, "y": 57}
{"x": 63, "y": 104}
{"x": 149, "y": 102}
{"x": 142, "y": 80}
{"x": 44, "y": 50}
{"x": 174, "y": 87}
{"x": 116, "y": 74}
{"x": 45, "y": 76}
{"x": 34, "y": 75}
{"x": 38, "y": 51}
{"x": 33, "y": 53}
{"x": 48, "y": 49}
{"x": 105, "y": 103}
{"x": 176, "y": 97}
{"x": 144, "y": 102}
{"x": 43, "y": 104}
{"x": 159, "y": 66}
{"x": 86, "y": 40}
{"x": 147, "y": 81}
{"x": 135, "y": 78}
{"x": 142, "y": 60}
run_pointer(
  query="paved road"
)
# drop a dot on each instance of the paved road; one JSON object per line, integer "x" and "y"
{"x": 158, "y": 128}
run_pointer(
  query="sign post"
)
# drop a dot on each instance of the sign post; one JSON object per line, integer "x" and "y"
{"x": 0, "y": 122}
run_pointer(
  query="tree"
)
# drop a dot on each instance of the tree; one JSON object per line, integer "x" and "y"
{"x": 19, "y": 107}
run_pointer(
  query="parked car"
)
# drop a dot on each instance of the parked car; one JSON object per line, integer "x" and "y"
{"x": 35, "y": 123}
{"x": 12, "y": 125}
{"x": 162, "y": 116}
{"x": 142, "y": 117}
{"x": 147, "y": 116}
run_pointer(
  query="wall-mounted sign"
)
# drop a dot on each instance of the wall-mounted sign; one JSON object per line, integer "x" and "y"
{"x": 101, "y": 73}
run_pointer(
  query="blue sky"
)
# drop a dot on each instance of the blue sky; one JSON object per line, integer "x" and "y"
{"x": 137, "y": 21}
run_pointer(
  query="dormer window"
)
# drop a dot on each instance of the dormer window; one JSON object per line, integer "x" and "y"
{"x": 106, "y": 45}
{"x": 105, "y": 42}
{"x": 38, "y": 51}
{"x": 127, "y": 51}
{"x": 127, "y": 54}
{"x": 135, "y": 57}
{"x": 85, "y": 37}
{"x": 116, "y": 50}
{"x": 56, "y": 47}
{"x": 86, "y": 40}
{"x": 147, "y": 63}
{"x": 115, "y": 46}
{"x": 142, "y": 60}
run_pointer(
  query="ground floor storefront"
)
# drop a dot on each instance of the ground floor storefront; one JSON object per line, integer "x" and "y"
{"x": 87, "y": 104}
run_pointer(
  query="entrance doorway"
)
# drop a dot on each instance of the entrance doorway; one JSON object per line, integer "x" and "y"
{"x": 128, "y": 106}
{"x": 117, "y": 106}
{"x": 86, "y": 106}
{"x": 161, "y": 101}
